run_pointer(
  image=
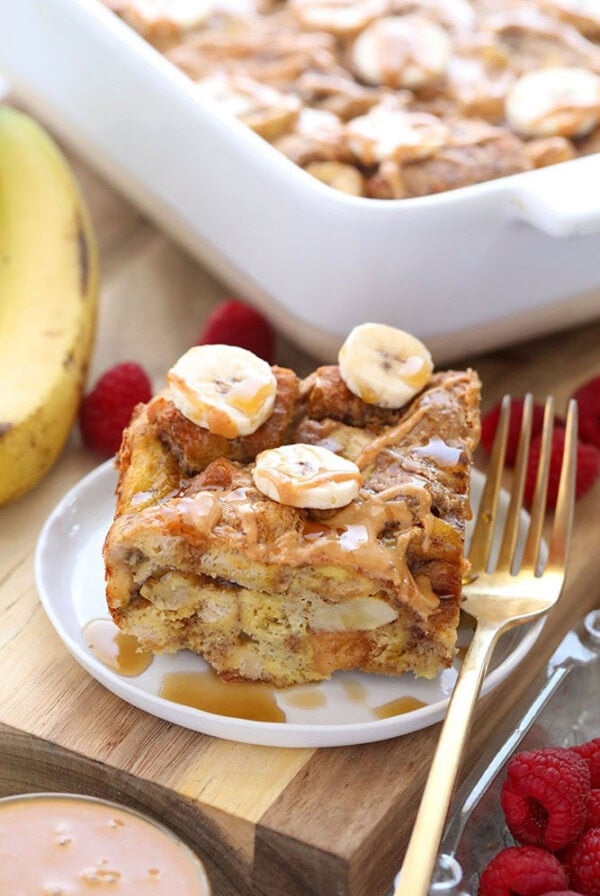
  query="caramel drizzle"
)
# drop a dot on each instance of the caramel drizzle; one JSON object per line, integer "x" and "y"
{"x": 195, "y": 515}
{"x": 288, "y": 491}
{"x": 443, "y": 454}
{"x": 349, "y": 537}
{"x": 390, "y": 437}
{"x": 215, "y": 420}
{"x": 249, "y": 404}
{"x": 394, "y": 434}
{"x": 239, "y": 500}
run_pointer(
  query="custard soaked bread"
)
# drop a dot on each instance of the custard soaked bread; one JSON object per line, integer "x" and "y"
{"x": 331, "y": 536}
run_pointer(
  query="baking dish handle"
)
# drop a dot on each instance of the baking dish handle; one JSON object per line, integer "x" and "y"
{"x": 562, "y": 200}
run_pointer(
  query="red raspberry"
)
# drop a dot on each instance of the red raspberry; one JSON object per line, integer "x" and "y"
{"x": 107, "y": 410}
{"x": 234, "y": 323}
{"x": 588, "y": 399}
{"x": 588, "y": 467}
{"x": 544, "y": 797}
{"x": 582, "y": 862}
{"x": 489, "y": 424}
{"x": 590, "y": 752}
{"x": 562, "y": 893}
{"x": 522, "y": 871}
{"x": 593, "y": 810}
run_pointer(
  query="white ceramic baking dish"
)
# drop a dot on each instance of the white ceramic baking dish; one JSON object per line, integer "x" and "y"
{"x": 465, "y": 270}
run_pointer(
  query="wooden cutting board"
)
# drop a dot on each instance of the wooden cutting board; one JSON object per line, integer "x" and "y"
{"x": 266, "y": 821}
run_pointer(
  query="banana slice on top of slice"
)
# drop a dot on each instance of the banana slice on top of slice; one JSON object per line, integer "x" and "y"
{"x": 558, "y": 101}
{"x": 383, "y": 365}
{"x": 306, "y": 476}
{"x": 401, "y": 51}
{"x": 223, "y": 388}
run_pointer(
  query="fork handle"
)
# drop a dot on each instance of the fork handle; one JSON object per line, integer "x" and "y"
{"x": 421, "y": 855}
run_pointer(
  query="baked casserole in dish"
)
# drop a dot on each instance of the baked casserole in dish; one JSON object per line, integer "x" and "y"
{"x": 466, "y": 268}
{"x": 393, "y": 98}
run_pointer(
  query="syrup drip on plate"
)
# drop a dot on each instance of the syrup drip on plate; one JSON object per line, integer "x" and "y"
{"x": 354, "y": 691}
{"x": 116, "y": 650}
{"x": 311, "y": 698}
{"x": 239, "y": 700}
{"x": 397, "y": 707}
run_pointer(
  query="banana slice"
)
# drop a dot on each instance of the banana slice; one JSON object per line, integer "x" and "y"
{"x": 341, "y": 17}
{"x": 401, "y": 51}
{"x": 456, "y": 16}
{"x": 549, "y": 151}
{"x": 383, "y": 365}
{"x": 387, "y": 182}
{"x": 582, "y": 14}
{"x": 263, "y": 108}
{"x": 345, "y": 178}
{"x": 223, "y": 388}
{"x": 306, "y": 476}
{"x": 161, "y": 18}
{"x": 554, "y": 102}
{"x": 388, "y": 132}
{"x": 359, "y": 614}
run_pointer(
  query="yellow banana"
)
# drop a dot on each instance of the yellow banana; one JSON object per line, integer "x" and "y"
{"x": 48, "y": 295}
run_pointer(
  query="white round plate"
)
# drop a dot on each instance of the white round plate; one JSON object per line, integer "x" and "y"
{"x": 70, "y": 579}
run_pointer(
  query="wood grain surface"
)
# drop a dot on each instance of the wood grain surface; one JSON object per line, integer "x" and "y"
{"x": 265, "y": 821}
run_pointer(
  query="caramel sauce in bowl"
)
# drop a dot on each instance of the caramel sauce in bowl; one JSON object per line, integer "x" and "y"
{"x": 55, "y": 844}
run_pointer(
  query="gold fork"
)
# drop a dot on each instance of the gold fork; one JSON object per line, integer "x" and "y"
{"x": 518, "y": 589}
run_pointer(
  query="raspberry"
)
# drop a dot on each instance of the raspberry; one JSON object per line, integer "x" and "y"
{"x": 544, "y": 797}
{"x": 489, "y": 425}
{"x": 562, "y": 893}
{"x": 593, "y": 810}
{"x": 588, "y": 399}
{"x": 582, "y": 863}
{"x": 107, "y": 410}
{"x": 522, "y": 871}
{"x": 590, "y": 752}
{"x": 588, "y": 467}
{"x": 234, "y": 323}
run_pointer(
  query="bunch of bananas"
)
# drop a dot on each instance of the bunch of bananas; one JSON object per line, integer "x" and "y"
{"x": 48, "y": 294}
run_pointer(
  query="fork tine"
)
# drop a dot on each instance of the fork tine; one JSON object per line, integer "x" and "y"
{"x": 538, "y": 505}
{"x": 563, "y": 519}
{"x": 486, "y": 517}
{"x": 513, "y": 515}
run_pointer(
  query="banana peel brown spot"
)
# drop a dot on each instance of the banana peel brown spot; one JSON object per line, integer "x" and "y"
{"x": 4, "y": 428}
{"x": 82, "y": 374}
{"x": 83, "y": 249}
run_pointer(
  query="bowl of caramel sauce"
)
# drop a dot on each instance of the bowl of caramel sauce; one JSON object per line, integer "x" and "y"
{"x": 56, "y": 844}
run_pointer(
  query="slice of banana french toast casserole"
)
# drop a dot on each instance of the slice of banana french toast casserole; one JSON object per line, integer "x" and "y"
{"x": 285, "y": 528}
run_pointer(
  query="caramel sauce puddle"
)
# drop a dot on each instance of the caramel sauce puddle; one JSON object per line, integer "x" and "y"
{"x": 397, "y": 707}
{"x": 115, "y": 649}
{"x": 239, "y": 700}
